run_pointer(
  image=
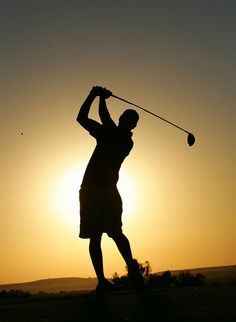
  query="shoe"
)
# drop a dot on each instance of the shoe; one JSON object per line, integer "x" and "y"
{"x": 135, "y": 276}
{"x": 104, "y": 287}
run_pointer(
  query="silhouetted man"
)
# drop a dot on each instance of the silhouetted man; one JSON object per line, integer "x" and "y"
{"x": 100, "y": 201}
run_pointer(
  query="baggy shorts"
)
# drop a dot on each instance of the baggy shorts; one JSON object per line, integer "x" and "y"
{"x": 100, "y": 211}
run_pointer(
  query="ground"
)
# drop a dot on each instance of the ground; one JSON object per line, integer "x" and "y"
{"x": 203, "y": 304}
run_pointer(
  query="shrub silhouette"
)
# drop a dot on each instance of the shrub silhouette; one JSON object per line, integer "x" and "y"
{"x": 166, "y": 279}
{"x": 145, "y": 269}
{"x": 187, "y": 279}
{"x": 14, "y": 294}
{"x": 163, "y": 280}
{"x": 123, "y": 281}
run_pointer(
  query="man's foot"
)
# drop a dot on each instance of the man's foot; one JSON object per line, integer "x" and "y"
{"x": 135, "y": 276}
{"x": 104, "y": 286}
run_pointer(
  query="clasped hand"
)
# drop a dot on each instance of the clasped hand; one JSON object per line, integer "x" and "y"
{"x": 101, "y": 91}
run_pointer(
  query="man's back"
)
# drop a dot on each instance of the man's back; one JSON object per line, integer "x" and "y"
{"x": 113, "y": 145}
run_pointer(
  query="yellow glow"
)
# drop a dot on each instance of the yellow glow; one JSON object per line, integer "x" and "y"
{"x": 129, "y": 194}
{"x": 66, "y": 195}
{"x": 66, "y": 198}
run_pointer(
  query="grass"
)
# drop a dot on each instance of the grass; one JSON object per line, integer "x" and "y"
{"x": 202, "y": 304}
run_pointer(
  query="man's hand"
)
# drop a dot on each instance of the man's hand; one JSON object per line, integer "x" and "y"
{"x": 101, "y": 91}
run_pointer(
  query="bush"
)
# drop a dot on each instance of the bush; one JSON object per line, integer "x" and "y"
{"x": 120, "y": 281}
{"x": 165, "y": 279}
{"x": 162, "y": 280}
{"x": 187, "y": 279}
{"x": 123, "y": 281}
{"x": 14, "y": 294}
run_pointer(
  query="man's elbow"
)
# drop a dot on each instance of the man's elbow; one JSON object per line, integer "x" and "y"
{"x": 80, "y": 119}
{"x": 83, "y": 121}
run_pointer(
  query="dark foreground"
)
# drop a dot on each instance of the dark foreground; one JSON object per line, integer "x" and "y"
{"x": 203, "y": 304}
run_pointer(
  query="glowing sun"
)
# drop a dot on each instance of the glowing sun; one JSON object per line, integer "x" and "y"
{"x": 129, "y": 194}
{"x": 66, "y": 195}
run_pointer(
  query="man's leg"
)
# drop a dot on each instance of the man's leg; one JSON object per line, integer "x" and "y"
{"x": 134, "y": 273}
{"x": 95, "y": 252}
{"x": 123, "y": 245}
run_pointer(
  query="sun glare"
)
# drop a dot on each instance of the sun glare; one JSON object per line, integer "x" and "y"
{"x": 129, "y": 194}
{"x": 66, "y": 195}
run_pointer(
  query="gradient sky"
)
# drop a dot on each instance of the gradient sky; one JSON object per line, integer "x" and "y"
{"x": 176, "y": 58}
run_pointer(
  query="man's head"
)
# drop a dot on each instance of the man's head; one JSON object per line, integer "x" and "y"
{"x": 128, "y": 120}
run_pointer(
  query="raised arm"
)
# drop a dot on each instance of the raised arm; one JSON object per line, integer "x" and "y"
{"x": 104, "y": 113}
{"x": 82, "y": 117}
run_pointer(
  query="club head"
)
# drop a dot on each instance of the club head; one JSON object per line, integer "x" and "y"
{"x": 191, "y": 139}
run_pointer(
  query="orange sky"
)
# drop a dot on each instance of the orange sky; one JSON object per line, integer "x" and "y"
{"x": 176, "y": 58}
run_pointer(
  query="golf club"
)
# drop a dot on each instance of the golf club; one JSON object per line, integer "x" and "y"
{"x": 190, "y": 138}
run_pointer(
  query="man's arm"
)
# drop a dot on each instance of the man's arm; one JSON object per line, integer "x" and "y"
{"x": 104, "y": 113}
{"x": 82, "y": 117}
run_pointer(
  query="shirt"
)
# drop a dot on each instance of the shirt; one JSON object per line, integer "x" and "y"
{"x": 113, "y": 146}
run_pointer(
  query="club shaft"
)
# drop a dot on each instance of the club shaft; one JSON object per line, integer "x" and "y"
{"x": 144, "y": 109}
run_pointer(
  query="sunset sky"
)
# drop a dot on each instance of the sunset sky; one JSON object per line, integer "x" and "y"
{"x": 174, "y": 57}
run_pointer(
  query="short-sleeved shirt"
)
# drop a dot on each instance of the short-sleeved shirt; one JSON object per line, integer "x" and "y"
{"x": 113, "y": 145}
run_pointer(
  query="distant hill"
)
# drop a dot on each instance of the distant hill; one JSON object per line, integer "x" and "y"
{"x": 222, "y": 274}
{"x": 219, "y": 274}
{"x": 53, "y": 285}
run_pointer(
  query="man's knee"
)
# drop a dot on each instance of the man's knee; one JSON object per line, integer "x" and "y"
{"x": 114, "y": 234}
{"x": 118, "y": 236}
{"x": 96, "y": 239}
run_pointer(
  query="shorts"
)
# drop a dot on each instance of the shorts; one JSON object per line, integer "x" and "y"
{"x": 100, "y": 211}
